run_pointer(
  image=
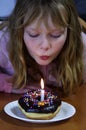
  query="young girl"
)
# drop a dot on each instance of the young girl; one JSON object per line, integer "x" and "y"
{"x": 42, "y": 39}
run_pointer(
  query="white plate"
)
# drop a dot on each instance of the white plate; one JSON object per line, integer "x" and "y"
{"x": 66, "y": 111}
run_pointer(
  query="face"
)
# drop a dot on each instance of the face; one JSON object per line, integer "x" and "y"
{"x": 44, "y": 44}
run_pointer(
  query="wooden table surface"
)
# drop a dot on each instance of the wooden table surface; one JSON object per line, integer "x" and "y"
{"x": 77, "y": 122}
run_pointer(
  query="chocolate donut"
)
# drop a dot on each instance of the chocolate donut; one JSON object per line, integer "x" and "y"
{"x": 32, "y": 106}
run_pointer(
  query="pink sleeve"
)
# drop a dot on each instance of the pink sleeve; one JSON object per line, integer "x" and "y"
{"x": 5, "y": 64}
{"x": 84, "y": 56}
{"x": 7, "y": 87}
{"x": 4, "y": 85}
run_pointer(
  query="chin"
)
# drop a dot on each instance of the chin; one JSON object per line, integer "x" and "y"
{"x": 43, "y": 62}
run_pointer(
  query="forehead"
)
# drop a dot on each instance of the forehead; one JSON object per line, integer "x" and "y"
{"x": 44, "y": 22}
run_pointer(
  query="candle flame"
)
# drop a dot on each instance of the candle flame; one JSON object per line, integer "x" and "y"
{"x": 42, "y": 84}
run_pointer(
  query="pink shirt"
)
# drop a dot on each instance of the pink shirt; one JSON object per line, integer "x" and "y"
{"x": 6, "y": 69}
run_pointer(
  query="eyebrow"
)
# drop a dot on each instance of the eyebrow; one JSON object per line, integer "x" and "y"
{"x": 51, "y": 30}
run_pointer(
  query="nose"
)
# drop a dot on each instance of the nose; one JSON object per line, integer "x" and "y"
{"x": 45, "y": 44}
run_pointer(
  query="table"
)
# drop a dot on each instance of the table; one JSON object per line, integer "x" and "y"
{"x": 77, "y": 122}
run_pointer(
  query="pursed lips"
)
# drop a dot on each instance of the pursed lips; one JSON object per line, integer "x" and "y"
{"x": 44, "y": 57}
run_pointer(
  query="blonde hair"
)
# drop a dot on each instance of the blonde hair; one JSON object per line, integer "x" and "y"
{"x": 63, "y": 13}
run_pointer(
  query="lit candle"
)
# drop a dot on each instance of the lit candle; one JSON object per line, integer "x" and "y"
{"x": 42, "y": 90}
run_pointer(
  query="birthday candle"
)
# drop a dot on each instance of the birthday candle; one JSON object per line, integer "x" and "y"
{"x": 42, "y": 90}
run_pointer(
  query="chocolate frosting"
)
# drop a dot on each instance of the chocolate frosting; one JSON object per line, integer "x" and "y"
{"x": 31, "y": 102}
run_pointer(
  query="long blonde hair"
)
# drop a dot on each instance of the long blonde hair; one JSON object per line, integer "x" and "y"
{"x": 63, "y": 13}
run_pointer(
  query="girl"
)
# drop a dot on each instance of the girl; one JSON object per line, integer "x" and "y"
{"x": 42, "y": 39}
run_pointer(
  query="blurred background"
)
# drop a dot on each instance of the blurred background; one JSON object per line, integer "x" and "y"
{"x": 81, "y": 8}
{"x": 6, "y": 7}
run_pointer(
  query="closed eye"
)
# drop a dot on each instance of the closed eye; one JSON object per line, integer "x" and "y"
{"x": 55, "y": 36}
{"x": 34, "y": 35}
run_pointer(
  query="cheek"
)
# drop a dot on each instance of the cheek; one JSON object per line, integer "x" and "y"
{"x": 25, "y": 39}
{"x": 58, "y": 46}
{"x": 28, "y": 42}
{"x": 61, "y": 42}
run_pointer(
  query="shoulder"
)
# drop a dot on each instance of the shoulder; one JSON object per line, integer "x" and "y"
{"x": 83, "y": 35}
{"x": 4, "y": 36}
{"x": 4, "y": 54}
{"x": 84, "y": 55}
